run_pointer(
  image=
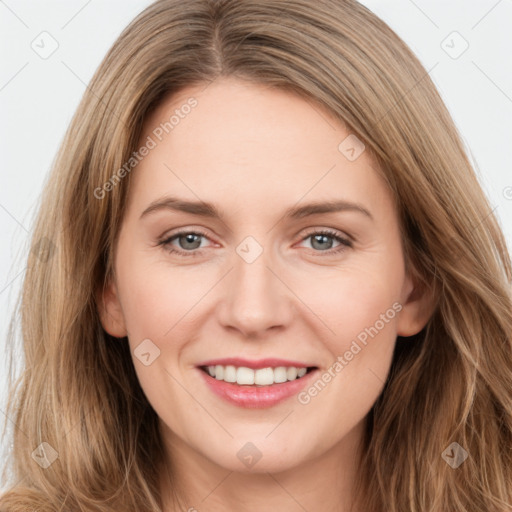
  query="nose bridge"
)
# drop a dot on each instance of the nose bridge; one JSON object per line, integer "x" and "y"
{"x": 256, "y": 299}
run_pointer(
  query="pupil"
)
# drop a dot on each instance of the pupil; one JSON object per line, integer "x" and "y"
{"x": 321, "y": 238}
{"x": 189, "y": 238}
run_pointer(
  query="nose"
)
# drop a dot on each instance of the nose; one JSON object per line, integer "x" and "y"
{"x": 255, "y": 298}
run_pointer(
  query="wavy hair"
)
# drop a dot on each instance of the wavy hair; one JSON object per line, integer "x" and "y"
{"x": 452, "y": 382}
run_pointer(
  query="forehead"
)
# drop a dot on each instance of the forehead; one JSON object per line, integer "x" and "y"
{"x": 250, "y": 143}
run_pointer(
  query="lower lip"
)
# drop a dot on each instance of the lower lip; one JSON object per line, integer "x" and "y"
{"x": 256, "y": 397}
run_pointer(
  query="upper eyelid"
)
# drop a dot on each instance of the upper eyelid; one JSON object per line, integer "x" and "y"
{"x": 330, "y": 232}
{"x": 168, "y": 238}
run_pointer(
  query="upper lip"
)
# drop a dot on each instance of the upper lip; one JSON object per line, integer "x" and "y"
{"x": 255, "y": 364}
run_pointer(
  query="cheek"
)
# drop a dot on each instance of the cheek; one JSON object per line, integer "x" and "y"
{"x": 353, "y": 301}
{"x": 156, "y": 298}
{"x": 361, "y": 307}
{"x": 362, "y": 313}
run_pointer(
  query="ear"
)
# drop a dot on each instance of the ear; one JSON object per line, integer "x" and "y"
{"x": 418, "y": 304}
{"x": 110, "y": 311}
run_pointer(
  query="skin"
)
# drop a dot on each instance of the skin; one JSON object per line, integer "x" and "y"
{"x": 254, "y": 152}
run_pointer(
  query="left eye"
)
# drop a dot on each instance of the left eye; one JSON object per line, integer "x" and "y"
{"x": 190, "y": 241}
{"x": 319, "y": 240}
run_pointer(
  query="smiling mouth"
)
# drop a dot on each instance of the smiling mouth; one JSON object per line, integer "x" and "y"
{"x": 243, "y": 376}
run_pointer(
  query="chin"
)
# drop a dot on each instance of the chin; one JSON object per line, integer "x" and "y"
{"x": 258, "y": 457}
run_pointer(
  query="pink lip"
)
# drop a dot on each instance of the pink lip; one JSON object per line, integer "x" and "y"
{"x": 256, "y": 397}
{"x": 255, "y": 365}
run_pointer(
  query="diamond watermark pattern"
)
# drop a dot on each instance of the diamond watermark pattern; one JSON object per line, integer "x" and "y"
{"x": 351, "y": 148}
{"x": 45, "y": 455}
{"x": 454, "y": 455}
{"x": 454, "y": 45}
{"x": 44, "y": 249}
{"x": 249, "y": 455}
{"x": 249, "y": 249}
{"x": 146, "y": 352}
{"x": 45, "y": 45}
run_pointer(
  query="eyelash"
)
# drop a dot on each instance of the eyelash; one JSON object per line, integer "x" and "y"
{"x": 165, "y": 243}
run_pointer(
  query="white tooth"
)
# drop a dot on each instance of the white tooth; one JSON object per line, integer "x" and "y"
{"x": 244, "y": 375}
{"x": 280, "y": 374}
{"x": 219, "y": 372}
{"x": 291, "y": 373}
{"x": 264, "y": 377}
{"x": 230, "y": 374}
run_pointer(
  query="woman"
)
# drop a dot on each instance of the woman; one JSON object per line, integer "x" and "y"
{"x": 257, "y": 369}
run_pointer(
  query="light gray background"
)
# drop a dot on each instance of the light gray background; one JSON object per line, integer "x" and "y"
{"x": 39, "y": 96}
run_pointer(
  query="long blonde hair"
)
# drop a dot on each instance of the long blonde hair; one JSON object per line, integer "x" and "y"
{"x": 450, "y": 383}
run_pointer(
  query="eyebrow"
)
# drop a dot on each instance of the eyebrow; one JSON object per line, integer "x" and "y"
{"x": 205, "y": 209}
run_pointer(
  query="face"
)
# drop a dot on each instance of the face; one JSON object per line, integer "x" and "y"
{"x": 295, "y": 266}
